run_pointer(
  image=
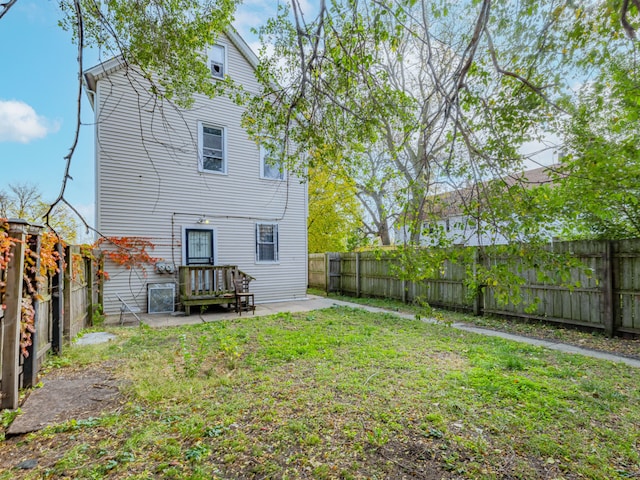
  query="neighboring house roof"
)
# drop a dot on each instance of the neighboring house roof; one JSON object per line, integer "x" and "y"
{"x": 531, "y": 178}
{"x": 453, "y": 203}
{"x": 97, "y": 72}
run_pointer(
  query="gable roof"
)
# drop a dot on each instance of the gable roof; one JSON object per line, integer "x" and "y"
{"x": 101, "y": 70}
{"x": 452, "y": 203}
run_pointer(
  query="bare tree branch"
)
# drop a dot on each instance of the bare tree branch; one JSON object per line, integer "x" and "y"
{"x": 470, "y": 52}
{"x": 5, "y": 6}
{"x": 628, "y": 28}
{"x": 520, "y": 78}
{"x": 69, "y": 156}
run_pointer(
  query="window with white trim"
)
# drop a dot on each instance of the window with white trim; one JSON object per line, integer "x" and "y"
{"x": 267, "y": 242}
{"x": 271, "y": 165}
{"x": 211, "y": 148}
{"x": 217, "y": 61}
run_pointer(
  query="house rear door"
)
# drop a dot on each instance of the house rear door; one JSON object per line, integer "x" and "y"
{"x": 200, "y": 248}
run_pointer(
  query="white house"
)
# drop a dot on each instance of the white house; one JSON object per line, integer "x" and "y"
{"x": 448, "y": 219}
{"x": 193, "y": 184}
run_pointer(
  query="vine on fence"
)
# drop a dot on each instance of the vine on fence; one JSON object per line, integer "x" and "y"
{"x": 49, "y": 260}
{"x": 6, "y": 243}
{"x": 49, "y": 257}
{"x": 129, "y": 252}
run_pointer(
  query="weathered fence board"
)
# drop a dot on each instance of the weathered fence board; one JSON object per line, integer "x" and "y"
{"x": 76, "y": 299}
{"x": 626, "y": 284}
{"x": 604, "y": 292}
{"x": 334, "y": 283}
{"x": 11, "y": 320}
{"x": 30, "y": 365}
{"x": 43, "y": 329}
{"x": 317, "y": 271}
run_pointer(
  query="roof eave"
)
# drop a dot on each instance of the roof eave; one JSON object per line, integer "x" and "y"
{"x": 243, "y": 47}
{"x": 92, "y": 75}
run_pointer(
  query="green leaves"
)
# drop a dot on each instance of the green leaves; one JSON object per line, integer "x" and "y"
{"x": 165, "y": 39}
{"x": 599, "y": 184}
{"x": 411, "y": 84}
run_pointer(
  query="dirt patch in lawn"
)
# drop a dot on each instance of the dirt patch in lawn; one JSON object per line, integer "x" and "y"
{"x": 65, "y": 394}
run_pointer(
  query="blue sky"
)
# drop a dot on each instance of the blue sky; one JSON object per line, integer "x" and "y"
{"x": 38, "y": 91}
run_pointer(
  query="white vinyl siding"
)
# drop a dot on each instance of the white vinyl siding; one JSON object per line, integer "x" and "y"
{"x": 218, "y": 61}
{"x": 267, "y": 242}
{"x": 211, "y": 148}
{"x": 149, "y": 186}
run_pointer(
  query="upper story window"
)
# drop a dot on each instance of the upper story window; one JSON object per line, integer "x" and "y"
{"x": 271, "y": 165}
{"x": 211, "y": 148}
{"x": 218, "y": 61}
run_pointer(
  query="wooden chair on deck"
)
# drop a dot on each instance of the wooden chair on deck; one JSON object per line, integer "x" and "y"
{"x": 245, "y": 300}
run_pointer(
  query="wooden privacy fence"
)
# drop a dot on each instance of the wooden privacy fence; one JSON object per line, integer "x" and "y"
{"x": 63, "y": 305}
{"x": 605, "y": 291}
{"x": 325, "y": 271}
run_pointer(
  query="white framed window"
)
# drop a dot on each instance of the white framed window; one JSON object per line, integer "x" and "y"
{"x": 217, "y": 59}
{"x": 271, "y": 165}
{"x": 211, "y": 148}
{"x": 267, "y": 242}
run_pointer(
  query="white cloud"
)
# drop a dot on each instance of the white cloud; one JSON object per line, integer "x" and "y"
{"x": 19, "y": 122}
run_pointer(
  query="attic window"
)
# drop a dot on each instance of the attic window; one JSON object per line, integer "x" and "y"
{"x": 217, "y": 61}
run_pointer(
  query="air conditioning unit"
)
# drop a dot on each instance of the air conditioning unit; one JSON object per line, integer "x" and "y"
{"x": 161, "y": 297}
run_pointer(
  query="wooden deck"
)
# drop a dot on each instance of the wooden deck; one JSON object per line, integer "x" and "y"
{"x": 202, "y": 285}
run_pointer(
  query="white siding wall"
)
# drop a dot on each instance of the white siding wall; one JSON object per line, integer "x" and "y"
{"x": 148, "y": 185}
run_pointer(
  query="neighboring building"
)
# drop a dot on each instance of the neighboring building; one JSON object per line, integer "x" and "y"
{"x": 449, "y": 218}
{"x": 194, "y": 184}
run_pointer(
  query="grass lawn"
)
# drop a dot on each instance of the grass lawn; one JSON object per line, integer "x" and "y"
{"x": 584, "y": 338}
{"x": 343, "y": 393}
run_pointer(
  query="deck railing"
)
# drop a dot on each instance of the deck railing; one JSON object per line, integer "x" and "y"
{"x": 208, "y": 284}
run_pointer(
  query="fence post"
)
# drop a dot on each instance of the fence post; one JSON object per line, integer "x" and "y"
{"x": 57, "y": 303}
{"x": 66, "y": 294}
{"x": 357, "y": 274}
{"x": 608, "y": 318}
{"x": 90, "y": 273}
{"x": 12, "y": 315}
{"x": 477, "y": 298}
{"x": 100, "y": 280}
{"x": 327, "y": 276}
{"x": 30, "y": 366}
{"x": 334, "y": 259}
